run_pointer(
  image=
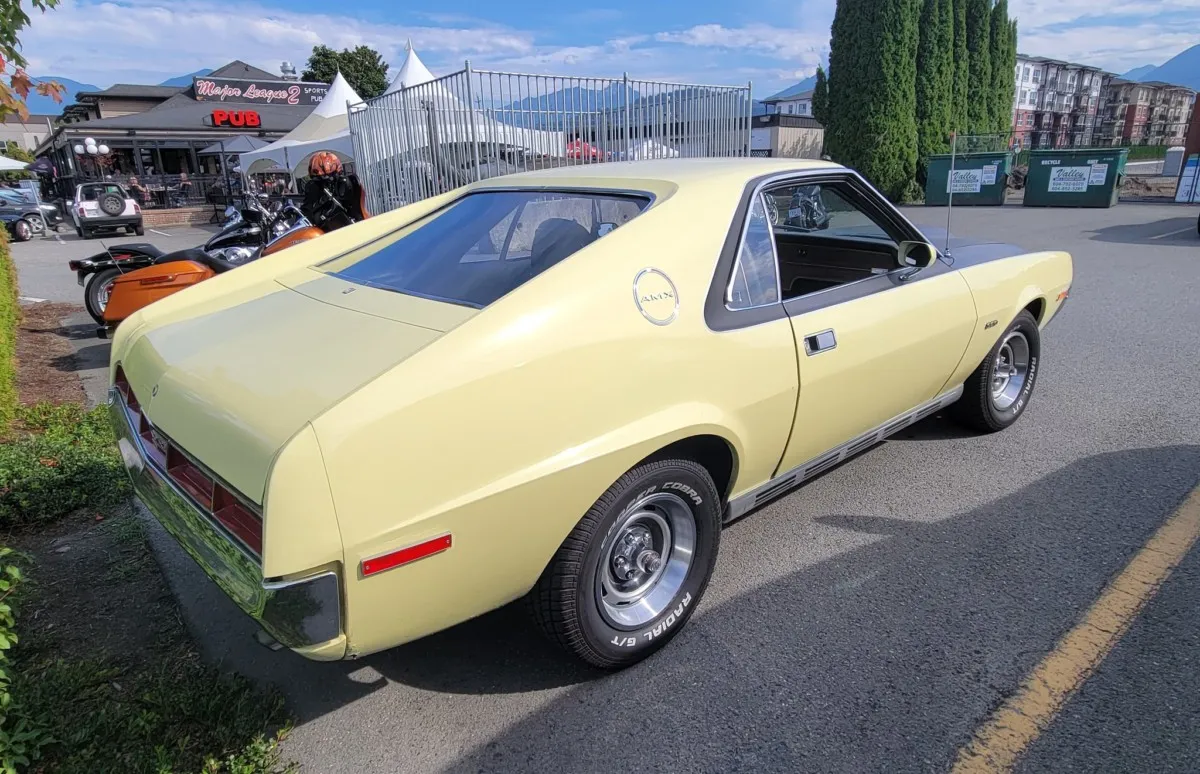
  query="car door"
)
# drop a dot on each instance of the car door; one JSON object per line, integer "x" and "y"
{"x": 874, "y": 339}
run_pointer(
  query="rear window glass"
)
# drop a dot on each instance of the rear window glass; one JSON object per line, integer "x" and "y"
{"x": 486, "y": 244}
{"x": 91, "y": 193}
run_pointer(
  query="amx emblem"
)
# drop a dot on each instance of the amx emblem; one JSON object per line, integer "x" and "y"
{"x": 655, "y": 296}
{"x": 991, "y": 324}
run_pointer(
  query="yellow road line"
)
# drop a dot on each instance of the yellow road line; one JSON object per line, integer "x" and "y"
{"x": 1007, "y": 734}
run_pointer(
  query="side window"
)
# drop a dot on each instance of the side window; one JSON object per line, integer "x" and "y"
{"x": 825, "y": 236}
{"x": 755, "y": 281}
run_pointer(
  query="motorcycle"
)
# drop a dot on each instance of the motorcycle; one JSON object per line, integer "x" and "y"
{"x": 244, "y": 231}
{"x": 170, "y": 273}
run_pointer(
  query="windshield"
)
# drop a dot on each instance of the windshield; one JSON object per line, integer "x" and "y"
{"x": 486, "y": 244}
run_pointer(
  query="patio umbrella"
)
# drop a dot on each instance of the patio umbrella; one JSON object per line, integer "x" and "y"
{"x": 9, "y": 165}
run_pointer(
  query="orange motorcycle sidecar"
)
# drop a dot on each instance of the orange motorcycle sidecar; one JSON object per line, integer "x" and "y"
{"x": 132, "y": 291}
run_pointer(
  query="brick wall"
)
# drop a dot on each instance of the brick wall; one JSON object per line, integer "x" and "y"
{"x": 182, "y": 216}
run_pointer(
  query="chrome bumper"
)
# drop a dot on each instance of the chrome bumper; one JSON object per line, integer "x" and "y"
{"x": 299, "y": 614}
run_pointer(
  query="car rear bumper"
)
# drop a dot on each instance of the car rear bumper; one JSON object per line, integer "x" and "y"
{"x": 106, "y": 222}
{"x": 303, "y": 614}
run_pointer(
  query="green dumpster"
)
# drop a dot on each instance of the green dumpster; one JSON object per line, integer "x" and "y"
{"x": 979, "y": 178}
{"x": 1075, "y": 177}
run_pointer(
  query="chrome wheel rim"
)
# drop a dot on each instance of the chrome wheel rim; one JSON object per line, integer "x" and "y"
{"x": 103, "y": 294}
{"x": 645, "y": 560}
{"x": 1010, "y": 370}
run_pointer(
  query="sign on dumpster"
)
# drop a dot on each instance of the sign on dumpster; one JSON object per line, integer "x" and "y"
{"x": 989, "y": 174}
{"x": 1099, "y": 174}
{"x": 965, "y": 181}
{"x": 1069, "y": 179}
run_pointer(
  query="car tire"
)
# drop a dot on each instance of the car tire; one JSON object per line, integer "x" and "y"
{"x": 139, "y": 229}
{"x": 604, "y": 597}
{"x": 22, "y": 231}
{"x": 95, "y": 295}
{"x": 997, "y": 393}
{"x": 37, "y": 223}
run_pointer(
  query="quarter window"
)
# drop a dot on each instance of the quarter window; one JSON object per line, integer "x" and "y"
{"x": 755, "y": 280}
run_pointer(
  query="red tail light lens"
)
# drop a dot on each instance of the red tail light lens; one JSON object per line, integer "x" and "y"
{"x": 209, "y": 495}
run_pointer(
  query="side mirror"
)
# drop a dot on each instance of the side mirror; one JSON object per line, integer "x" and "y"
{"x": 917, "y": 255}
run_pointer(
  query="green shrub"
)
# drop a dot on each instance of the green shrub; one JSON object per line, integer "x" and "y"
{"x": 63, "y": 459}
{"x": 21, "y": 737}
{"x": 10, "y": 315}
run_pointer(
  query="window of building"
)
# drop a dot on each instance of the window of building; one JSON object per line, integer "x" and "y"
{"x": 790, "y": 106}
{"x": 1037, "y": 76}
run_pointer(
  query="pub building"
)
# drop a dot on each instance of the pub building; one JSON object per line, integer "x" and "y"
{"x": 170, "y": 138}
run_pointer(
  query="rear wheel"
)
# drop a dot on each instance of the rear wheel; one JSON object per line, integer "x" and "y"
{"x": 22, "y": 231}
{"x": 998, "y": 391}
{"x": 629, "y": 576}
{"x": 139, "y": 229}
{"x": 95, "y": 296}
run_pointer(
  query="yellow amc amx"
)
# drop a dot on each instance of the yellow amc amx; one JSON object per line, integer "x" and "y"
{"x": 556, "y": 386}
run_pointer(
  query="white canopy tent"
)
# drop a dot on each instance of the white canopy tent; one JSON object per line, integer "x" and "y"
{"x": 325, "y": 128}
{"x": 413, "y": 72}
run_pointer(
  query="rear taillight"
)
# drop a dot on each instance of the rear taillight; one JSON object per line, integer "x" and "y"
{"x": 211, "y": 496}
{"x": 136, "y": 209}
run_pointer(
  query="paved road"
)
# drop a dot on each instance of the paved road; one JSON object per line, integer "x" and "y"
{"x": 871, "y": 620}
{"x": 42, "y": 263}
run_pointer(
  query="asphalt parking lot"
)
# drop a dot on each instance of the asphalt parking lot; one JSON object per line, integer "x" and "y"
{"x": 868, "y": 622}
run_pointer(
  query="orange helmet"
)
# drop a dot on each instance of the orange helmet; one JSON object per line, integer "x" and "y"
{"x": 324, "y": 163}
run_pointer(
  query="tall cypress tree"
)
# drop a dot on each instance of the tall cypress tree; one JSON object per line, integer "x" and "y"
{"x": 848, "y": 62}
{"x": 935, "y": 79}
{"x": 1003, "y": 65}
{"x": 820, "y": 98}
{"x": 890, "y": 131}
{"x": 962, "y": 68}
{"x": 979, "y": 82}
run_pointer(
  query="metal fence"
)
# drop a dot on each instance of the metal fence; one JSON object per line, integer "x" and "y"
{"x": 475, "y": 124}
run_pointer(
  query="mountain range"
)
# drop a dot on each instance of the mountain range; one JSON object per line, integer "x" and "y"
{"x": 39, "y": 105}
{"x": 1183, "y": 69}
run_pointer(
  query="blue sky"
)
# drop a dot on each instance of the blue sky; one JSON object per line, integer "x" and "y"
{"x": 771, "y": 42}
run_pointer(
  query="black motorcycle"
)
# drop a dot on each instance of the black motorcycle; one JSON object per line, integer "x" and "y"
{"x": 245, "y": 232}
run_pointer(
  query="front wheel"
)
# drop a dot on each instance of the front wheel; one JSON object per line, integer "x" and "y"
{"x": 22, "y": 231}
{"x": 629, "y": 576}
{"x": 95, "y": 296}
{"x": 998, "y": 391}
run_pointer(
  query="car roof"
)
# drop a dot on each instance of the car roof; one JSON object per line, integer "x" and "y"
{"x": 681, "y": 172}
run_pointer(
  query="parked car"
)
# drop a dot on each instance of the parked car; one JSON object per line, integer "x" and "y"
{"x": 105, "y": 207}
{"x": 25, "y": 218}
{"x": 557, "y": 386}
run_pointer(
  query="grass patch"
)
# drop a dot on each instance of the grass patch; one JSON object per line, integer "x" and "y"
{"x": 59, "y": 459}
{"x": 10, "y": 316}
{"x": 104, "y": 698}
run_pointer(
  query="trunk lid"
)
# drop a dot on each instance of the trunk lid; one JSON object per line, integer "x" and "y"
{"x": 232, "y": 385}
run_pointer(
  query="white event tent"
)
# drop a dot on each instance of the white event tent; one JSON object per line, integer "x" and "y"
{"x": 325, "y": 128}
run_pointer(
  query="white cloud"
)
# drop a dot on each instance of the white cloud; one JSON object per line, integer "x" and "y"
{"x": 150, "y": 40}
{"x": 798, "y": 45}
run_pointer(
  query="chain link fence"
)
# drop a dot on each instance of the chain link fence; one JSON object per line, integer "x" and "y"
{"x": 474, "y": 124}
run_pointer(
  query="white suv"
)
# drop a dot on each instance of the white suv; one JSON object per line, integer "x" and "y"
{"x": 105, "y": 206}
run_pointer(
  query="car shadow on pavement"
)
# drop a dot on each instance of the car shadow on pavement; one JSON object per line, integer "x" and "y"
{"x": 884, "y": 658}
{"x": 881, "y": 658}
{"x": 1167, "y": 232}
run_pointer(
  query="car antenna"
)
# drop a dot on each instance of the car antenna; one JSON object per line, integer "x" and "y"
{"x": 950, "y": 192}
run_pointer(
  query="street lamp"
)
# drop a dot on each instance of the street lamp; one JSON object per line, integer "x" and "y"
{"x": 90, "y": 148}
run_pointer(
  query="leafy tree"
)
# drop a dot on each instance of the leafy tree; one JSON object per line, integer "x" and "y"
{"x": 362, "y": 67}
{"x": 962, "y": 67}
{"x": 872, "y": 91}
{"x": 979, "y": 84}
{"x": 16, "y": 152}
{"x": 1004, "y": 63}
{"x": 13, "y": 19}
{"x": 820, "y": 98}
{"x": 935, "y": 79}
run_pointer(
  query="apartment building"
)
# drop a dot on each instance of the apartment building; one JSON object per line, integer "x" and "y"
{"x": 1148, "y": 113}
{"x": 1056, "y": 103}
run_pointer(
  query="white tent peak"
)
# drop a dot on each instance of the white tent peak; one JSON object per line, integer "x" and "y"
{"x": 334, "y": 102}
{"x": 413, "y": 71}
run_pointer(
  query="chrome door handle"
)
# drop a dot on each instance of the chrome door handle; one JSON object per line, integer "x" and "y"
{"x": 821, "y": 341}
